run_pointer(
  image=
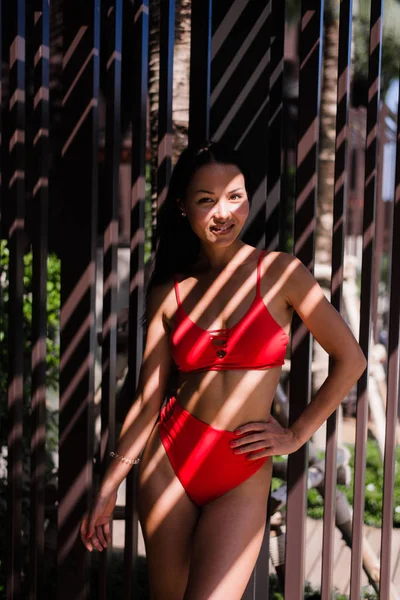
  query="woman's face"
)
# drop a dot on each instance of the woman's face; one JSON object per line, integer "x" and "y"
{"x": 216, "y": 203}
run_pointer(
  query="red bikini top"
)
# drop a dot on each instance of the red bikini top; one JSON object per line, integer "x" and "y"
{"x": 256, "y": 341}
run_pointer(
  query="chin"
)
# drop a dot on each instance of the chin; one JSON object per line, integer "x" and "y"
{"x": 224, "y": 241}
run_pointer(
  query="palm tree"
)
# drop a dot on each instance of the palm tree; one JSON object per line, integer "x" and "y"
{"x": 180, "y": 114}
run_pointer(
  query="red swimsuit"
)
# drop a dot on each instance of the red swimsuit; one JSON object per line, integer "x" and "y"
{"x": 199, "y": 453}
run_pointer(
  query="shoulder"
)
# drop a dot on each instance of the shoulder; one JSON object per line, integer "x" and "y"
{"x": 161, "y": 302}
{"x": 292, "y": 277}
{"x": 279, "y": 263}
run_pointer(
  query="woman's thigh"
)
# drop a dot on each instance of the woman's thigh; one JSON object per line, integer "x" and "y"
{"x": 228, "y": 539}
{"x": 168, "y": 519}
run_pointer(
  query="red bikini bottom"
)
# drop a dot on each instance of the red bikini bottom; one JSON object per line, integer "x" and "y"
{"x": 201, "y": 456}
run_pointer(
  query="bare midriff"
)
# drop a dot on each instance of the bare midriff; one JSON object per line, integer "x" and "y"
{"x": 228, "y": 399}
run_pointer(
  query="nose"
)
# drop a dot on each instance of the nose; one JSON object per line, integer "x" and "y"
{"x": 222, "y": 210}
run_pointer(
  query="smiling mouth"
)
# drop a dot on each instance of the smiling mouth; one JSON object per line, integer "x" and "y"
{"x": 223, "y": 229}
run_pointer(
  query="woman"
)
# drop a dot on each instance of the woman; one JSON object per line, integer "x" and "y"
{"x": 220, "y": 310}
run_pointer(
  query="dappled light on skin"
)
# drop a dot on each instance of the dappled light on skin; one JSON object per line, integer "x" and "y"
{"x": 311, "y": 300}
{"x": 225, "y": 321}
{"x": 225, "y": 415}
{"x": 235, "y": 395}
{"x": 167, "y": 499}
{"x": 238, "y": 561}
{"x": 244, "y": 296}
{"x": 216, "y": 196}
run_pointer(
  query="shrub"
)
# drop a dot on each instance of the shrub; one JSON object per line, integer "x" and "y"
{"x": 52, "y": 360}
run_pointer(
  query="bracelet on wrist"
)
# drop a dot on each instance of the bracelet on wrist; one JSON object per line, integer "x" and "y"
{"x": 128, "y": 461}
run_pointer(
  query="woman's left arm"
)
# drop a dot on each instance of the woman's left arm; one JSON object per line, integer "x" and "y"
{"x": 326, "y": 325}
{"x": 303, "y": 293}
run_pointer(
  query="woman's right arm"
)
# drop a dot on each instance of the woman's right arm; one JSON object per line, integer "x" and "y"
{"x": 150, "y": 392}
{"x": 139, "y": 421}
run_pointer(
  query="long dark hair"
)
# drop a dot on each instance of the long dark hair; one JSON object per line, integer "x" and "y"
{"x": 177, "y": 245}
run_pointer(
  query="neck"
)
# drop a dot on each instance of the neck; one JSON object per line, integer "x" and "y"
{"x": 217, "y": 259}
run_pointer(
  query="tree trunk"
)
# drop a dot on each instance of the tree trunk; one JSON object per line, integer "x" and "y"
{"x": 326, "y": 165}
{"x": 326, "y": 170}
{"x": 180, "y": 112}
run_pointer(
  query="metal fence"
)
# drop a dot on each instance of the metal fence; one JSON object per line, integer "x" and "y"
{"x": 52, "y": 160}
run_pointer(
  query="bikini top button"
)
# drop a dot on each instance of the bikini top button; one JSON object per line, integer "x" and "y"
{"x": 221, "y": 353}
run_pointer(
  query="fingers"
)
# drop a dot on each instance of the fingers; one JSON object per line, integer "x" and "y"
{"x": 92, "y": 535}
{"x": 100, "y": 536}
{"x": 84, "y": 529}
{"x": 250, "y": 447}
{"x": 265, "y": 452}
{"x": 254, "y": 426}
{"x": 248, "y": 439}
{"x": 96, "y": 542}
{"x": 107, "y": 532}
{"x": 95, "y": 527}
{"x": 99, "y": 539}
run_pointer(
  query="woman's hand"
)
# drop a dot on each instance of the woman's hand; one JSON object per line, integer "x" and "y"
{"x": 264, "y": 439}
{"x": 95, "y": 527}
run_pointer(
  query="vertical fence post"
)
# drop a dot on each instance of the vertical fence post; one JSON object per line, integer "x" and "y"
{"x": 200, "y": 65}
{"x": 78, "y": 274}
{"x": 273, "y": 239}
{"x": 392, "y": 416}
{"x": 239, "y": 94}
{"x": 112, "y": 44}
{"x": 240, "y": 63}
{"x": 165, "y": 127}
{"x": 374, "y": 70}
{"x": 136, "y": 286}
{"x": 16, "y": 200}
{"x": 40, "y": 192}
{"x": 338, "y": 236}
{"x": 1, "y": 118}
{"x": 304, "y": 241}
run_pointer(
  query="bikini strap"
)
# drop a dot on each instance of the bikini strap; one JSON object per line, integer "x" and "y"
{"x": 177, "y": 294}
{"x": 259, "y": 272}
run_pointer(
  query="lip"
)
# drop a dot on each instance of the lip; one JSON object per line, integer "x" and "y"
{"x": 221, "y": 231}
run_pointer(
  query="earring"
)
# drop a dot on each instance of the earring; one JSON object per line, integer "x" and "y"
{"x": 183, "y": 214}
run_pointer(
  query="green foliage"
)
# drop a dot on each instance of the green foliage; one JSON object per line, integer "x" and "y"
{"x": 53, "y": 317}
{"x": 361, "y": 35}
{"x": 373, "y": 488}
{"x": 52, "y": 370}
{"x": 390, "y": 53}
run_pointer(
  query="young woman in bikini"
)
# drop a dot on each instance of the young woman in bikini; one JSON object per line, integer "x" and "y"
{"x": 218, "y": 312}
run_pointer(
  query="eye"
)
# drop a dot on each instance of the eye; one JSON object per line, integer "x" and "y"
{"x": 236, "y": 196}
{"x": 205, "y": 200}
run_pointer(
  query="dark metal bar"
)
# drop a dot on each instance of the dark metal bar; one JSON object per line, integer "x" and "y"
{"x": 271, "y": 112}
{"x": 240, "y": 54}
{"x": 112, "y": 15}
{"x": 136, "y": 289}
{"x": 16, "y": 200}
{"x": 392, "y": 384}
{"x": 273, "y": 239}
{"x": 200, "y": 68}
{"x": 239, "y": 104}
{"x": 270, "y": 208}
{"x": 374, "y": 70}
{"x": 1, "y": 119}
{"x": 78, "y": 275}
{"x": 40, "y": 198}
{"x": 165, "y": 128}
{"x": 304, "y": 241}
{"x": 378, "y": 223}
{"x": 338, "y": 235}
